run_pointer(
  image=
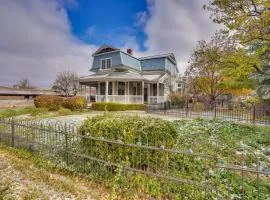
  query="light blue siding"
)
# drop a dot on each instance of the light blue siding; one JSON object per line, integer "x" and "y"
{"x": 171, "y": 67}
{"x": 115, "y": 56}
{"x": 130, "y": 61}
{"x": 153, "y": 64}
{"x": 122, "y": 59}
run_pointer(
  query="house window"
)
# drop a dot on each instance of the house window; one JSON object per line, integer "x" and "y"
{"x": 154, "y": 89}
{"x": 110, "y": 88}
{"x": 121, "y": 88}
{"x": 103, "y": 64}
{"x": 102, "y": 88}
{"x": 106, "y": 63}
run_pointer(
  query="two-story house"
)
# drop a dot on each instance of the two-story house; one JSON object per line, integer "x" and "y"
{"x": 118, "y": 76}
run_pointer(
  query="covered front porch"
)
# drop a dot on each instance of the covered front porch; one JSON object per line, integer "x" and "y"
{"x": 129, "y": 92}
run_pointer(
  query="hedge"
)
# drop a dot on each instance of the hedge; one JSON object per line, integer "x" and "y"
{"x": 109, "y": 106}
{"x": 51, "y": 102}
{"x": 129, "y": 129}
{"x": 75, "y": 103}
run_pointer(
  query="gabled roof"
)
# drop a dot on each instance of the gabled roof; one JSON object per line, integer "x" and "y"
{"x": 104, "y": 49}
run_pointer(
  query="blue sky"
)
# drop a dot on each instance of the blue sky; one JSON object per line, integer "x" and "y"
{"x": 44, "y": 37}
{"x": 98, "y": 22}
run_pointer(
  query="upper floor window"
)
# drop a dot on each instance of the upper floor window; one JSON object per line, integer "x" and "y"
{"x": 106, "y": 63}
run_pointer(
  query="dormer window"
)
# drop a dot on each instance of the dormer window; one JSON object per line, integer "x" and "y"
{"x": 106, "y": 63}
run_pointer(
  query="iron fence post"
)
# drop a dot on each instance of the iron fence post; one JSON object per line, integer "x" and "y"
{"x": 253, "y": 114}
{"x": 187, "y": 111}
{"x": 165, "y": 107}
{"x": 215, "y": 111}
{"x": 66, "y": 143}
{"x": 12, "y": 132}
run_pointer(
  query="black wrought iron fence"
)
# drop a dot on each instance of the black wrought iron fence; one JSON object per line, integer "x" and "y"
{"x": 247, "y": 115}
{"x": 153, "y": 170}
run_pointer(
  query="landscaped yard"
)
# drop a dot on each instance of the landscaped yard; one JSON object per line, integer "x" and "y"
{"x": 229, "y": 148}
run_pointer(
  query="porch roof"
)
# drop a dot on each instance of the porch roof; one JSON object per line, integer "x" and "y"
{"x": 123, "y": 76}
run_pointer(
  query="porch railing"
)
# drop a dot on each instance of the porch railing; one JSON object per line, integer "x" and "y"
{"x": 130, "y": 99}
{"x": 120, "y": 98}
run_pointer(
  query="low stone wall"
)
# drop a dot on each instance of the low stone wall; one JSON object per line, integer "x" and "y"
{"x": 16, "y": 103}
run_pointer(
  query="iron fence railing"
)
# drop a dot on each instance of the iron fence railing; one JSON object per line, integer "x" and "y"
{"x": 155, "y": 170}
{"x": 246, "y": 115}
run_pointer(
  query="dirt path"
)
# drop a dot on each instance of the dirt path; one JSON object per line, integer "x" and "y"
{"x": 20, "y": 179}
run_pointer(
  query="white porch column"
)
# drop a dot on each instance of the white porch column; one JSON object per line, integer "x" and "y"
{"x": 85, "y": 94}
{"x": 98, "y": 88}
{"x": 149, "y": 93}
{"x": 142, "y": 92}
{"x": 128, "y": 91}
{"x": 107, "y": 90}
{"x": 113, "y": 91}
{"x": 157, "y": 91}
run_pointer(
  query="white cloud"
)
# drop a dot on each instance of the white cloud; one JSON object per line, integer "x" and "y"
{"x": 36, "y": 39}
{"x": 141, "y": 18}
{"x": 176, "y": 26}
{"x": 36, "y": 42}
{"x": 90, "y": 31}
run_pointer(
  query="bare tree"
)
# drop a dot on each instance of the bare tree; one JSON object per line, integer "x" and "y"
{"x": 24, "y": 84}
{"x": 67, "y": 83}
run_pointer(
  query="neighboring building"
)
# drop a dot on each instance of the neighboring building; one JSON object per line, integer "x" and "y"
{"x": 9, "y": 93}
{"x": 14, "y": 97}
{"x": 118, "y": 76}
{"x": 182, "y": 82}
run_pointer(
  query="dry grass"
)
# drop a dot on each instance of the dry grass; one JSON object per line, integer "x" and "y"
{"x": 20, "y": 178}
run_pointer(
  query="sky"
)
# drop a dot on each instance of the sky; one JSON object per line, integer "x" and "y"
{"x": 39, "y": 38}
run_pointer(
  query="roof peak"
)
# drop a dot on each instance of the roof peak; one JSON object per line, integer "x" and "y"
{"x": 104, "y": 49}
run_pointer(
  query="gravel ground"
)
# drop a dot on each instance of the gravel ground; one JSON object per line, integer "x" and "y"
{"x": 78, "y": 119}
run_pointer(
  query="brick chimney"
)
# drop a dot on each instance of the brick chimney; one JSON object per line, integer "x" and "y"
{"x": 130, "y": 51}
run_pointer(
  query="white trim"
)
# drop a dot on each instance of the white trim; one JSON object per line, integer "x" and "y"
{"x": 105, "y": 53}
{"x": 100, "y": 67}
{"x": 128, "y": 90}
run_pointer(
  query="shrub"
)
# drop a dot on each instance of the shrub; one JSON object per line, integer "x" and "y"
{"x": 128, "y": 129}
{"x": 102, "y": 106}
{"x": 64, "y": 111}
{"x": 177, "y": 99}
{"x": 51, "y": 102}
{"x": 75, "y": 103}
